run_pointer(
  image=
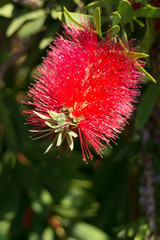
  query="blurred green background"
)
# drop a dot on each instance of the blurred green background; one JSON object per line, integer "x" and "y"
{"x": 59, "y": 198}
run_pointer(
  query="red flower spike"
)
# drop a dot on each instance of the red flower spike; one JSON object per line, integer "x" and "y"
{"x": 86, "y": 88}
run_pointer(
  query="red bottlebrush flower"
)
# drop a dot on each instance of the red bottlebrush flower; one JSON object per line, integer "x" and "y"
{"x": 86, "y": 88}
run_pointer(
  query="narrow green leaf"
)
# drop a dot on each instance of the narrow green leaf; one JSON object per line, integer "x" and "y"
{"x": 42, "y": 116}
{"x": 124, "y": 34}
{"x": 113, "y": 31}
{"x": 141, "y": 69}
{"x": 140, "y": 23}
{"x": 137, "y": 55}
{"x": 116, "y": 18}
{"x": 59, "y": 139}
{"x": 95, "y": 4}
{"x": 97, "y": 20}
{"x": 51, "y": 125}
{"x": 7, "y": 10}
{"x": 31, "y": 27}
{"x": 45, "y": 130}
{"x": 70, "y": 142}
{"x": 71, "y": 18}
{"x": 41, "y": 136}
{"x": 147, "y": 104}
{"x": 148, "y": 11}
{"x": 126, "y": 12}
{"x": 50, "y": 146}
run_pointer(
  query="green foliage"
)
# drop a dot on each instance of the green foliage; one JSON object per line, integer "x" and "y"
{"x": 53, "y": 197}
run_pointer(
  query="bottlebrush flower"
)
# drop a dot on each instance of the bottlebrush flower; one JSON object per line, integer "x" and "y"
{"x": 86, "y": 88}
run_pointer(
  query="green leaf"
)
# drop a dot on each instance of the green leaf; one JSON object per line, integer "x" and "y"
{"x": 97, "y": 20}
{"x": 7, "y": 10}
{"x": 31, "y": 27}
{"x": 48, "y": 234}
{"x": 51, "y": 125}
{"x": 75, "y": 18}
{"x": 50, "y": 146}
{"x": 148, "y": 11}
{"x": 124, "y": 34}
{"x": 45, "y": 130}
{"x": 19, "y": 21}
{"x": 113, "y": 31}
{"x": 71, "y": 133}
{"x": 41, "y": 136}
{"x": 126, "y": 12}
{"x": 4, "y": 229}
{"x": 140, "y": 23}
{"x": 59, "y": 139}
{"x": 61, "y": 119}
{"x": 95, "y": 4}
{"x": 70, "y": 141}
{"x": 45, "y": 42}
{"x": 137, "y": 55}
{"x": 71, "y": 18}
{"x": 44, "y": 117}
{"x": 85, "y": 231}
{"x": 116, "y": 18}
{"x": 147, "y": 75}
{"x": 53, "y": 115}
{"x": 147, "y": 104}
{"x": 51, "y": 31}
{"x": 149, "y": 36}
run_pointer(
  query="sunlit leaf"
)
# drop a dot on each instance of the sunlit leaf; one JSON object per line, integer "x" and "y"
{"x": 73, "y": 134}
{"x": 61, "y": 119}
{"x": 51, "y": 125}
{"x": 48, "y": 234}
{"x": 44, "y": 43}
{"x": 31, "y": 27}
{"x": 4, "y": 229}
{"x": 44, "y": 117}
{"x": 95, "y": 4}
{"x": 73, "y": 17}
{"x": 85, "y": 231}
{"x": 70, "y": 141}
{"x": 19, "y": 21}
{"x": 7, "y": 10}
{"x": 53, "y": 115}
{"x": 137, "y": 55}
{"x": 59, "y": 139}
